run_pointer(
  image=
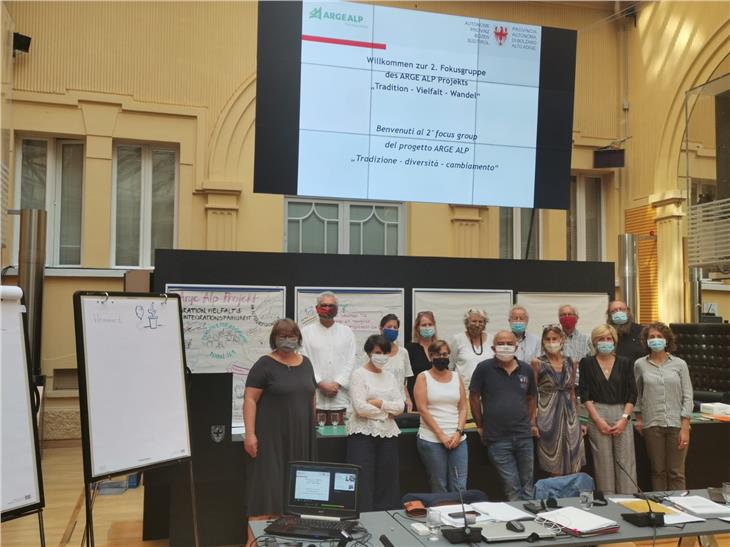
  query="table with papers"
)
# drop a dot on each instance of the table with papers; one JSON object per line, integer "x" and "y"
{"x": 612, "y": 513}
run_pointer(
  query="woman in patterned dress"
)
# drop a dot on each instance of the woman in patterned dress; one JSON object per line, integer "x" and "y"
{"x": 560, "y": 446}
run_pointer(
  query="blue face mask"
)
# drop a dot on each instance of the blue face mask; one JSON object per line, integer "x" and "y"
{"x": 391, "y": 335}
{"x": 427, "y": 332}
{"x": 656, "y": 344}
{"x": 619, "y": 317}
{"x": 518, "y": 327}
{"x": 605, "y": 347}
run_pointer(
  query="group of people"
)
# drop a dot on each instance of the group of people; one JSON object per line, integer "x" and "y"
{"x": 523, "y": 392}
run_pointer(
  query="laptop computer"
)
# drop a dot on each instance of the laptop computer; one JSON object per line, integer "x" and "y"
{"x": 498, "y": 531}
{"x": 322, "y": 501}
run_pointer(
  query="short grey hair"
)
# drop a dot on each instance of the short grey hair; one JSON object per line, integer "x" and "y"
{"x": 571, "y": 306}
{"x": 475, "y": 311}
{"x": 517, "y": 307}
{"x": 326, "y": 294}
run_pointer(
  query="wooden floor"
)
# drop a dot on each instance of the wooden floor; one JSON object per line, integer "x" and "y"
{"x": 117, "y": 518}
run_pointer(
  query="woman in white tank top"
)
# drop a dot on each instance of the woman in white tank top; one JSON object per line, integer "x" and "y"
{"x": 441, "y": 401}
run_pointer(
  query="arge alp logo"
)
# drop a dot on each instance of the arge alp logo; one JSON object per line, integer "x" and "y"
{"x": 319, "y": 13}
{"x": 217, "y": 433}
{"x": 500, "y": 33}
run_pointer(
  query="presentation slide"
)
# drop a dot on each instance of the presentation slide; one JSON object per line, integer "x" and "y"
{"x": 345, "y": 481}
{"x": 406, "y": 105}
{"x": 312, "y": 485}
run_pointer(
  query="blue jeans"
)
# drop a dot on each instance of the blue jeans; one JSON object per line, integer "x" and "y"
{"x": 513, "y": 459}
{"x": 440, "y": 463}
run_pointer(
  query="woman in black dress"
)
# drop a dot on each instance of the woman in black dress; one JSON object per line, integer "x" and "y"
{"x": 278, "y": 412}
{"x": 424, "y": 332}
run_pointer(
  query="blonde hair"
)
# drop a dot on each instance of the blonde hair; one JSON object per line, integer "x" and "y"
{"x": 417, "y": 321}
{"x": 603, "y": 330}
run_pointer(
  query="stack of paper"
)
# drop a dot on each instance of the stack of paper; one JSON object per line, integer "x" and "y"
{"x": 702, "y": 507}
{"x": 448, "y": 510}
{"x": 577, "y": 522}
{"x": 672, "y": 517}
{"x": 501, "y": 512}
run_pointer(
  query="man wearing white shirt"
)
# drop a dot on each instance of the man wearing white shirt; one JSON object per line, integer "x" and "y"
{"x": 528, "y": 345}
{"x": 331, "y": 348}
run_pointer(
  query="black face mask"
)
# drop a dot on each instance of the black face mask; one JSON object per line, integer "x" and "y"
{"x": 441, "y": 363}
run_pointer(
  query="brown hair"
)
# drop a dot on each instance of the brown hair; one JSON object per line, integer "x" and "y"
{"x": 664, "y": 330}
{"x": 284, "y": 325}
{"x": 555, "y": 329}
{"x": 417, "y": 321}
{"x": 435, "y": 347}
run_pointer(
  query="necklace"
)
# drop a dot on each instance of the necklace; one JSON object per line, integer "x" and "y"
{"x": 481, "y": 346}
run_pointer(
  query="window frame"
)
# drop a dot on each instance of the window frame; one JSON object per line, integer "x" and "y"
{"x": 517, "y": 249}
{"x": 343, "y": 219}
{"x": 145, "y": 220}
{"x": 580, "y": 216}
{"x": 54, "y": 191}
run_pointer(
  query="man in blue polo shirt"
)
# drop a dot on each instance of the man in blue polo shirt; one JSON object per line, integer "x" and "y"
{"x": 503, "y": 397}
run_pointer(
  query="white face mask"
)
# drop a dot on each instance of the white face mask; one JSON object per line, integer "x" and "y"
{"x": 553, "y": 347}
{"x": 504, "y": 352}
{"x": 379, "y": 359}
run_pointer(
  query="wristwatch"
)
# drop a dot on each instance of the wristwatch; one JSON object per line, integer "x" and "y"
{"x": 460, "y": 431}
{"x": 626, "y": 417}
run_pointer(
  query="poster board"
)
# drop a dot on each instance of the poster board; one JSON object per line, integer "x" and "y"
{"x": 450, "y": 305}
{"x": 22, "y": 480}
{"x": 543, "y": 309}
{"x": 361, "y": 309}
{"x": 227, "y": 329}
{"x": 132, "y": 391}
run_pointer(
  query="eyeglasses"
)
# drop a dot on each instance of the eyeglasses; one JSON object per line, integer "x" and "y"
{"x": 552, "y": 326}
{"x": 327, "y": 305}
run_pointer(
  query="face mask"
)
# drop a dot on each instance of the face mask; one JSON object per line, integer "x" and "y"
{"x": 426, "y": 332}
{"x": 656, "y": 344}
{"x": 518, "y": 327}
{"x": 553, "y": 347}
{"x": 619, "y": 317}
{"x": 327, "y": 313}
{"x": 474, "y": 330}
{"x": 391, "y": 335}
{"x": 504, "y": 353}
{"x": 605, "y": 347}
{"x": 441, "y": 363}
{"x": 379, "y": 359}
{"x": 286, "y": 344}
{"x": 568, "y": 322}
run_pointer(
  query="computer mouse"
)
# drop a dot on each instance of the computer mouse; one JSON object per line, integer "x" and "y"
{"x": 515, "y": 526}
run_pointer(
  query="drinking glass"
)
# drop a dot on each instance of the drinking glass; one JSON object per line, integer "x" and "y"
{"x": 586, "y": 499}
{"x": 433, "y": 521}
{"x": 335, "y": 419}
{"x": 726, "y": 491}
{"x": 321, "y": 419}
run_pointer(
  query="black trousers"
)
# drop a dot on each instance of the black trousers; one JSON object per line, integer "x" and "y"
{"x": 379, "y": 476}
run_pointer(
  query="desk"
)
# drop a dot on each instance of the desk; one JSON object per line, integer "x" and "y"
{"x": 396, "y": 526}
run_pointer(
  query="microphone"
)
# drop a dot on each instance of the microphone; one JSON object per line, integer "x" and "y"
{"x": 465, "y": 534}
{"x": 385, "y": 541}
{"x": 650, "y": 518}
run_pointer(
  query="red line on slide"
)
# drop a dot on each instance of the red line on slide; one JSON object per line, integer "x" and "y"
{"x": 341, "y": 42}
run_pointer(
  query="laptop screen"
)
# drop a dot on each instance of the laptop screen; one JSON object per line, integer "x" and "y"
{"x": 326, "y": 489}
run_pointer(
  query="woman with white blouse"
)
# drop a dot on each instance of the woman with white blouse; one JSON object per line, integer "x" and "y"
{"x": 399, "y": 363}
{"x": 372, "y": 434}
{"x": 472, "y": 346}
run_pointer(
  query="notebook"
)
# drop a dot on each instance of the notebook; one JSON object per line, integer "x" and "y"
{"x": 322, "y": 501}
{"x": 578, "y": 522}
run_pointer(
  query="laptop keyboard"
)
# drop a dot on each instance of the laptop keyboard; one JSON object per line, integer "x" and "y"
{"x": 304, "y": 527}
